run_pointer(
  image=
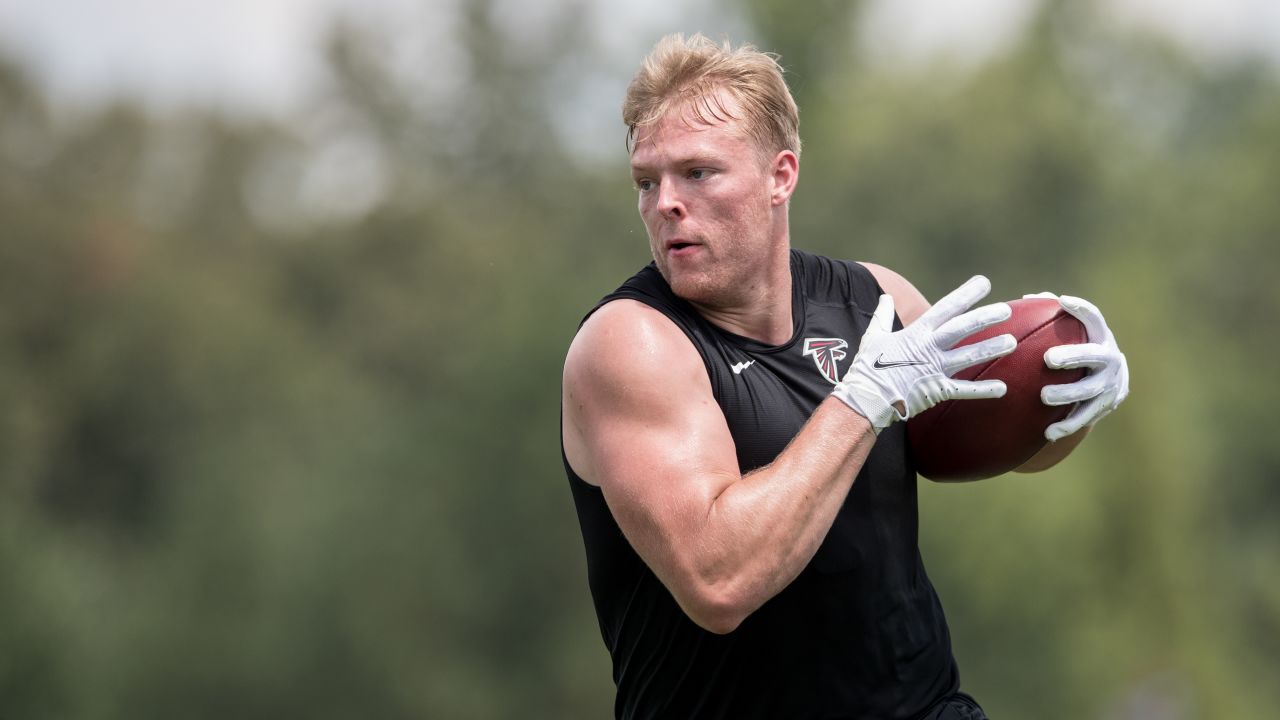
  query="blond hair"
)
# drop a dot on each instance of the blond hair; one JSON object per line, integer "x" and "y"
{"x": 682, "y": 72}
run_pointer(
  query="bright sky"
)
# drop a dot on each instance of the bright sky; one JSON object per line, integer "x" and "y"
{"x": 261, "y": 54}
{"x": 258, "y": 53}
{"x": 253, "y": 57}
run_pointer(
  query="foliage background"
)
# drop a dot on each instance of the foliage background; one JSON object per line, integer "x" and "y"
{"x": 279, "y": 400}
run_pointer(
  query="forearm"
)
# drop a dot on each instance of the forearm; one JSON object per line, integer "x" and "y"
{"x": 764, "y": 528}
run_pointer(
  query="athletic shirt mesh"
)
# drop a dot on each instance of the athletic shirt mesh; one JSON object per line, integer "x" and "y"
{"x": 860, "y": 633}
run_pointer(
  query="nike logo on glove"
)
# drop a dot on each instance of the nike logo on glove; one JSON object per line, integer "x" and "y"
{"x": 880, "y": 364}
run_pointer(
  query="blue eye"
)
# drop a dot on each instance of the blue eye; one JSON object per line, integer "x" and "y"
{"x": 698, "y": 173}
{"x": 644, "y": 185}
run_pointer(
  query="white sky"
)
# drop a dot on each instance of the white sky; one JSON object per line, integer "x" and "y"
{"x": 261, "y": 54}
{"x": 252, "y": 57}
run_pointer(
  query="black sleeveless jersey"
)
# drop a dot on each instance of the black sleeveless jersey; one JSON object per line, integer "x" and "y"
{"x": 860, "y": 632}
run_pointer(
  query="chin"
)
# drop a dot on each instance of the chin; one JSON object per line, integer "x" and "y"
{"x": 696, "y": 288}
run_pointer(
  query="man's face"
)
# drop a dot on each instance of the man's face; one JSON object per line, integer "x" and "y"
{"x": 707, "y": 200}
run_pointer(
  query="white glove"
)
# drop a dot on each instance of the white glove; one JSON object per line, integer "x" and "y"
{"x": 1106, "y": 385}
{"x": 896, "y": 375}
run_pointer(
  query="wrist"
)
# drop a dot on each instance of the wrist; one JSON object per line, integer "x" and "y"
{"x": 857, "y": 423}
{"x": 865, "y": 401}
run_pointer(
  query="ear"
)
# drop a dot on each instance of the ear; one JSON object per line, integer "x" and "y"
{"x": 785, "y": 169}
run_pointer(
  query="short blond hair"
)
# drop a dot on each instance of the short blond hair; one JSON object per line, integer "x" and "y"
{"x": 688, "y": 72}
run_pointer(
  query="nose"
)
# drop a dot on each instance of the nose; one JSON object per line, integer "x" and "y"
{"x": 669, "y": 202}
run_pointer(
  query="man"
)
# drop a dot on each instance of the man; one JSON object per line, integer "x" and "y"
{"x": 746, "y": 500}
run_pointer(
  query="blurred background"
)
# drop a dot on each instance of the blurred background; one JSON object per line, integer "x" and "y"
{"x": 285, "y": 289}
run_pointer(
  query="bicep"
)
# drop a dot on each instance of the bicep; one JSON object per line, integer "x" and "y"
{"x": 646, "y": 428}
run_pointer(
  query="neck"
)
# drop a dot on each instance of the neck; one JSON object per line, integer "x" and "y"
{"x": 763, "y": 312}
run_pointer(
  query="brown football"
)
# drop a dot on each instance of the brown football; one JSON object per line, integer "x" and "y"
{"x": 976, "y": 439}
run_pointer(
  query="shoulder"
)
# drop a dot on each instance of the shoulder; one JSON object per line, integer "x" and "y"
{"x": 626, "y": 339}
{"x": 908, "y": 302}
{"x": 629, "y": 368}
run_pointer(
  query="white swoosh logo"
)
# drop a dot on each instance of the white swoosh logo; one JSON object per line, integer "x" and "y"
{"x": 739, "y": 367}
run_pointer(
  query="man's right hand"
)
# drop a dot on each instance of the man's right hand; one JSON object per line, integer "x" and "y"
{"x": 897, "y": 375}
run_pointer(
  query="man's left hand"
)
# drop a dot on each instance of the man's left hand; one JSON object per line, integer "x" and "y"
{"x": 1106, "y": 385}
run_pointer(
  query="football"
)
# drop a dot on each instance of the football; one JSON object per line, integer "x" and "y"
{"x": 975, "y": 439}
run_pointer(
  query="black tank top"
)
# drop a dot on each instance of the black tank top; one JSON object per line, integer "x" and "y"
{"x": 860, "y": 632}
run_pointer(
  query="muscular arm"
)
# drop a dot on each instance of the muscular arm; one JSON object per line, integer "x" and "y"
{"x": 641, "y": 422}
{"x": 911, "y": 304}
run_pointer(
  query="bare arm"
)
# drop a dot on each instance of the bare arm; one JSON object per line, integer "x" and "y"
{"x": 911, "y": 304}
{"x": 907, "y": 300}
{"x": 642, "y": 423}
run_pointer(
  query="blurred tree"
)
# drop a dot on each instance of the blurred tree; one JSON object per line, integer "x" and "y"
{"x": 278, "y": 404}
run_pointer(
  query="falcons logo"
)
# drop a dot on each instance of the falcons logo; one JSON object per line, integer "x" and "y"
{"x": 827, "y": 353}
